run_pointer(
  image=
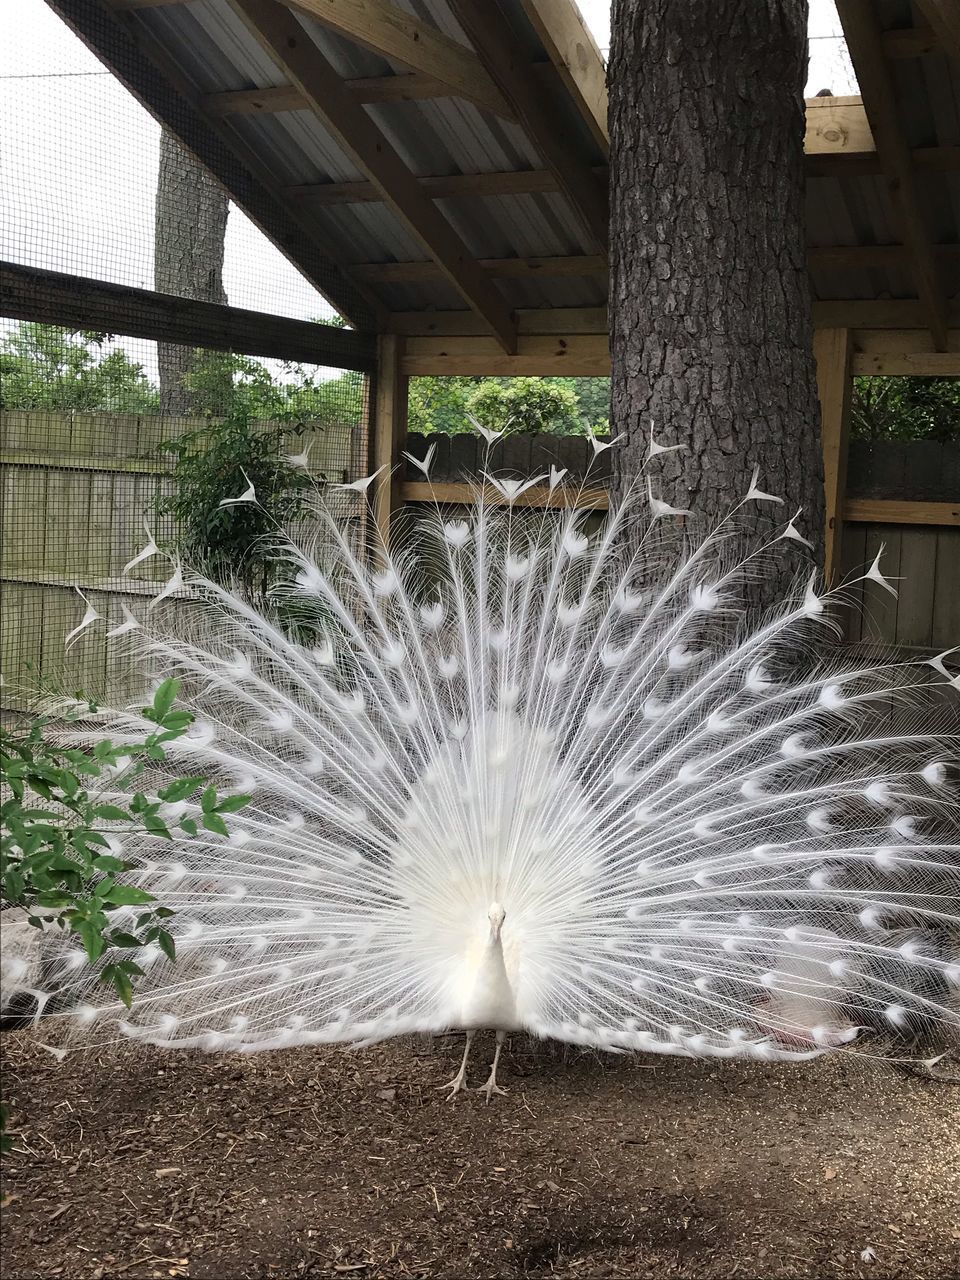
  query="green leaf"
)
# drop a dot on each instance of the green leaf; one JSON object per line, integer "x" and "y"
{"x": 114, "y": 974}
{"x": 208, "y": 801}
{"x": 180, "y": 789}
{"x": 164, "y": 698}
{"x": 213, "y": 822}
{"x": 167, "y": 944}
{"x": 125, "y": 895}
{"x": 189, "y": 826}
{"x": 233, "y": 804}
{"x": 156, "y": 826}
{"x": 107, "y": 863}
{"x": 111, "y": 812}
{"x": 93, "y": 941}
{"x": 120, "y": 939}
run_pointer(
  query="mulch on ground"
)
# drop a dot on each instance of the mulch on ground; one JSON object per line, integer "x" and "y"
{"x": 135, "y": 1163}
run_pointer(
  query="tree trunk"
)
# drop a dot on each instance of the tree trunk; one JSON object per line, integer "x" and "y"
{"x": 191, "y": 222}
{"x": 710, "y": 309}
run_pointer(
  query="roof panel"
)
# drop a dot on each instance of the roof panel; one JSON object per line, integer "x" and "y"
{"x": 448, "y": 136}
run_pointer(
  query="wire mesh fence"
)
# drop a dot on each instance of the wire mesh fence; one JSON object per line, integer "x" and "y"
{"x": 157, "y": 349}
{"x": 90, "y": 472}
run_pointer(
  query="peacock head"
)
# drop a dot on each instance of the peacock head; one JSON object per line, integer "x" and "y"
{"x": 496, "y": 915}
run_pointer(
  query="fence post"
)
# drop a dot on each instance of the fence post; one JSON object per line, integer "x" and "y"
{"x": 389, "y": 430}
{"x": 833, "y": 352}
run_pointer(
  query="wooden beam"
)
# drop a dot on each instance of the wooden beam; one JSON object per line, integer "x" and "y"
{"x": 910, "y": 42}
{"x": 879, "y": 313}
{"x": 944, "y": 19}
{"x": 902, "y": 342}
{"x": 355, "y": 131}
{"x": 50, "y": 297}
{"x": 142, "y": 67}
{"x": 837, "y": 126}
{"x": 859, "y": 510}
{"x": 898, "y": 314}
{"x": 464, "y": 324}
{"x": 859, "y": 257}
{"x": 907, "y": 364}
{"x": 862, "y": 32}
{"x": 448, "y": 186}
{"x": 388, "y": 432}
{"x": 393, "y": 33}
{"x": 461, "y": 494}
{"x": 573, "y": 51}
{"x": 884, "y": 511}
{"x": 573, "y": 356}
{"x": 840, "y": 165}
{"x": 248, "y": 102}
{"x": 502, "y": 56}
{"x": 501, "y": 268}
{"x": 833, "y": 351}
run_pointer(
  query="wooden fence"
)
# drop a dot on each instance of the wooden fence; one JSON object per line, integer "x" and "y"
{"x": 895, "y": 494}
{"x": 77, "y": 487}
{"x": 77, "y": 490}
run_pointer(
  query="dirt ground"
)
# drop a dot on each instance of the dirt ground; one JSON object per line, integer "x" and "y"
{"x": 337, "y": 1163}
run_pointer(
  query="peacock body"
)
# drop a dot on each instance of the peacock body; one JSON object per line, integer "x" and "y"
{"x": 528, "y": 774}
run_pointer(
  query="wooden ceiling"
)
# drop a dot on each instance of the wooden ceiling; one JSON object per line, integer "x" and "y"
{"x": 495, "y": 252}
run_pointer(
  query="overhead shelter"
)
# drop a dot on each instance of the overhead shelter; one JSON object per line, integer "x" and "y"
{"x": 437, "y": 168}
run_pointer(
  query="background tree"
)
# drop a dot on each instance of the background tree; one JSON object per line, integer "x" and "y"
{"x": 710, "y": 309}
{"x": 45, "y": 367}
{"x": 191, "y": 222}
{"x": 906, "y": 409}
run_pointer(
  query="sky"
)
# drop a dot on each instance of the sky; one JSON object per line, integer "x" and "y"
{"x": 78, "y": 163}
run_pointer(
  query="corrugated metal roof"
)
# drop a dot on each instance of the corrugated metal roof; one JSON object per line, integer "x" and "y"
{"x": 447, "y": 136}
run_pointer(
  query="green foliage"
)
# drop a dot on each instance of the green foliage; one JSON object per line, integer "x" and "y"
{"x": 526, "y": 405}
{"x": 906, "y": 409}
{"x": 225, "y": 384}
{"x": 560, "y": 406}
{"x": 45, "y": 367}
{"x": 58, "y": 853}
{"x": 234, "y": 543}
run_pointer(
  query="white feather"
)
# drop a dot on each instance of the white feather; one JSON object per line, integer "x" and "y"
{"x": 575, "y": 790}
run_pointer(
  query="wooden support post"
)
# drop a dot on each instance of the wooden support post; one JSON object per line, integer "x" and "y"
{"x": 388, "y": 430}
{"x": 833, "y": 351}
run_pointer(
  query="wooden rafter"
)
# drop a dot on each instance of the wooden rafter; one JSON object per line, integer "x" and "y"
{"x": 249, "y": 102}
{"x": 861, "y": 257}
{"x": 944, "y": 19}
{"x": 573, "y": 51}
{"x": 910, "y": 42}
{"x": 501, "y": 268}
{"x": 148, "y": 73}
{"x": 895, "y": 314}
{"x": 290, "y": 45}
{"x": 864, "y": 43}
{"x": 499, "y": 51}
{"x": 390, "y": 31}
{"x": 449, "y": 186}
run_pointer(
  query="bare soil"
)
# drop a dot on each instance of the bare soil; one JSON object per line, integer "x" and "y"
{"x": 133, "y": 1163}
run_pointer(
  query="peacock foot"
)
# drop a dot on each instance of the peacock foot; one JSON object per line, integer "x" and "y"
{"x": 456, "y": 1085}
{"x": 491, "y": 1087}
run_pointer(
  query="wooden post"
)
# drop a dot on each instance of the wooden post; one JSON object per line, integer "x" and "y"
{"x": 833, "y": 351}
{"x": 389, "y": 430}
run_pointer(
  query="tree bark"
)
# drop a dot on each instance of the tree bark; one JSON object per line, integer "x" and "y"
{"x": 710, "y": 309}
{"x": 191, "y": 223}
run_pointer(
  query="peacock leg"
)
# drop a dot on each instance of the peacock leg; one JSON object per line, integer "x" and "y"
{"x": 491, "y": 1087}
{"x": 459, "y": 1081}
